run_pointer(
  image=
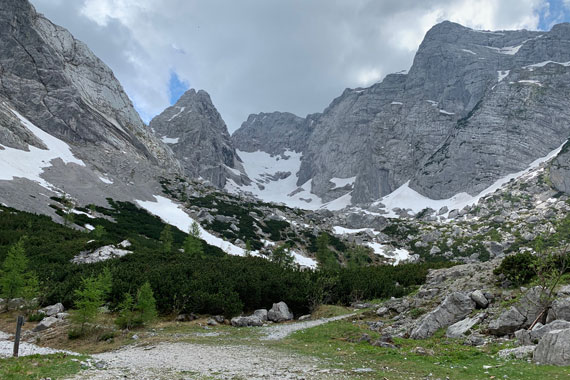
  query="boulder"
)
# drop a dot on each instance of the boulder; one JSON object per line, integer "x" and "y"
{"x": 15, "y": 304}
{"x": 454, "y": 308}
{"x": 305, "y": 317}
{"x": 185, "y": 317}
{"x": 261, "y": 314}
{"x": 212, "y": 322}
{"x": 522, "y": 352}
{"x": 458, "y": 329}
{"x": 279, "y": 313}
{"x": 46, "y": 323}
{"x": 248, "y": 321}
{"x": 538, "y": 333}
{"x": 218, "y": 318}
{"x": 479, "y": 298}
{"x": 554, "y": 348}
{"x": 52, "y": 310}
{"x": 560, "y": 309}
{"x": 507, "y": 323}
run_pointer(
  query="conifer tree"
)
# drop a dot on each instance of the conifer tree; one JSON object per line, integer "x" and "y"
{"x": 15, "y": 278}
{"x": 282, "y": 256}
{"x": 166, "y": 239}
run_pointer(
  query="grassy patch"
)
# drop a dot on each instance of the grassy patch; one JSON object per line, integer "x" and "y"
{"x": 56, "y": 366}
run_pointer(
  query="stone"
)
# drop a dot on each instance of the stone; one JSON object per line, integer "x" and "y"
{"x": 480, "y": 300}
{"x": 381, "y": 343}
{"x": 304, "y": 317}
{"x": 554, "y": 348}
{"x": 45, "y": 324}
{"x": 185, "y": 317}
{"x": 382, "y": 311}
{"x": 279, "y": 313}
{"x": 15, "y": 304}
{"x": 522, "y": 352}
{"x": 537, "y": 333}
{"x": 246, "y": 321}
{"x": 455, "y": 307}
{"x": 523, "y": 337}
{"x": 560, "y": 309}
{"x": 507, "y": 323}
{"x": 212, "y": 322}
{"x": 218, "y": 318}
{"x": 458, "y": 329}
{"x": 52, "y": 310}
{"x": 261, "y": 314}
{"x": 423, "y": 351}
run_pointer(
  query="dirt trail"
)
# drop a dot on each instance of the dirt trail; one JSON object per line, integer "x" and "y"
{"x": 198, "y": 361}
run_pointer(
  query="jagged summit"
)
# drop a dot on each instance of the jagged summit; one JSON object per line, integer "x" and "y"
{"x": 474, "y": 107}
{"x": 199, "y": 138}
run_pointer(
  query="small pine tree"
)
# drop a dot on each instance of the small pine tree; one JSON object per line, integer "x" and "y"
{"x": 357, "y": 257}
{"x": 282, "y": 256}
{"x": 126, "y": 317}
{"x": 15, "y": 278}
{"x": 195, "y": 230}
{"x": 90, "y": 297}
{"x": 193, "y": 247}
{"x": 248, "y": 248}
{"x": 98, "y": 232}
{"x": 166, "y": 239}
{"x": 146, "y": 304}
{"x": 325, "y": 257}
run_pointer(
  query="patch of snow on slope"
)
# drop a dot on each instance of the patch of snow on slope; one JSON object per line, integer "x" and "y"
{"x": 544, "y": 63}
{"x": 170, "y": 140}
{"x": 397, "y": 254}
{"x": 339, "y": 203}
{"x": 304, "y": 261}
{"x": 342, "y": 182}
{"x": 15, "y": 163}
{"x": 508, "y": 50}
{"x": 260, "y": 165}
{"x": 171, "y": 213}
{"x": 406, "y": 198}
{"x": 446, "y": 112}
{"x": 502, "y": 74}
{"x": 106, "y": 180}
{"x": 177, "y": 114}
{"x": 396, "y": 103}
{"x": 349, "y": 231}
{"x": 469, "y": 51}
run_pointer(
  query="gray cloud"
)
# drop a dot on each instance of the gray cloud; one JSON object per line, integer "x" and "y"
{"x": 266, "y": 55}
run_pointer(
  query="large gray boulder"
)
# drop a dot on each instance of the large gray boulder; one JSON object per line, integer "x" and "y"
{"x": 560, "y": 309}
{"x": 279, "y": 312}
{"x": 52, "y": 310}
{"x": 522, "y": 314}
{"x": 261, "y": 314}
{"x": 522, "y": 352}
{"x": 554, "y": 348}
{"x": 508, "y": 322}
{"x": 536, "y": 334}
{"x": 248, "y": 321}
{"x": 454, "y": 308}
{"x": 46, "y": 323}
{"x": 458, "y": 329}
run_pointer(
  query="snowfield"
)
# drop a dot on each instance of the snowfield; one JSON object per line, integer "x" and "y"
{"x": 15, "y": 163}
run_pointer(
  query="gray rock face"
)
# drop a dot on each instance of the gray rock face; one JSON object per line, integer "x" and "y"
{"x": 60, "y": 86}
{"x": 279, "y": 312}
{"x": 46, "y": 323}
{"x": 470, "y": 110}
{"x": 508, "y": 322}
{"x": 458, "y": 329}
{"x": 554, "y": 348}
{"x": 273, "y": 133}
{"x": 199, "y": 138}
{"x": 454, "y": 308}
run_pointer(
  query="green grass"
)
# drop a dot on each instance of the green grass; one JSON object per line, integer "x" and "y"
{"x": 334, "y": 344}
{"x": 56, "y": 366}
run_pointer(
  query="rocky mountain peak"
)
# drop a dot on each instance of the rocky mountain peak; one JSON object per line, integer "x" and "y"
{"x": 199, "y": 137}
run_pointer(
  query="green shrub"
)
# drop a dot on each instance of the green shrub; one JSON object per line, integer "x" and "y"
{"x": 519, "y": 268}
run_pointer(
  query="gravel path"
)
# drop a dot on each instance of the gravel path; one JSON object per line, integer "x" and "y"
{"x": 26, "y": 349}
{"x": 195, "y": 361}
{"x": 276, "y": 332}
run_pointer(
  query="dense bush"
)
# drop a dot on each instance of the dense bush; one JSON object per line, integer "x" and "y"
{"x": 519, "y": 268}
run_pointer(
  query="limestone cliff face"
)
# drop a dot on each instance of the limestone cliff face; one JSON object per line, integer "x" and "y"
{"x": 200, "y": 139}
{"x": 474, "y": 106}
{"x": 59, "y": 85}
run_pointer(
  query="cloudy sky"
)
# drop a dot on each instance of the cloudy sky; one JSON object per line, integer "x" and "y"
{"x": 271, "y": 55}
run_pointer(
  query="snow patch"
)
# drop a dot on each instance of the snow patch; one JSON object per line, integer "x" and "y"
{"x": 530, "y": 81}
{"x": 338, "y": 230}
{"x": 342, "y": 182}
{"x": 397, "y": 103}
{"x": 15, "y": 163}
{"x": 170, "y": 140}
{"x": 446, "y": 112}
{"x": 502, "y": 74}
{"x": 106, "y": 180}
{"x": 177, "y": 114}
{"x": 544, "y": 63}
{"x": 508, "y": 50}
{"x": 469, "y": 51}
{"x": 396, "y": 254}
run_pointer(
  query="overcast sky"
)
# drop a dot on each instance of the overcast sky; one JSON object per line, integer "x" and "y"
{"x": 270, "y": 55}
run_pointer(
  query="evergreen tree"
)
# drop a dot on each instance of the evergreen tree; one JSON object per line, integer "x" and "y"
{"x": 193, "y": 247}
{"x": 98, "y": 232}
{"x": 166, "y": 239}
{"x": 325, "y": 257}
{"x": 146, "y": 304}
{"x": 90, "y": 297}
{"x": 248, "y": 248}
{"x": 15, "y": 278}
{"x": 126, "y": 317}
{"x": 282, "y": 256}
{"x": 357, "y": 257}
{"x": 195, "y": 230}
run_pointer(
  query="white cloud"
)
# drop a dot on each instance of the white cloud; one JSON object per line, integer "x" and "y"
{"x": 258, "y": 55}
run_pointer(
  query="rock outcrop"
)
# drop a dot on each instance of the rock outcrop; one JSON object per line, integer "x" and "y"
{"x": 199, "y": 138}
{"x": 474, "y": 107}
{"x": 554, "y": 348}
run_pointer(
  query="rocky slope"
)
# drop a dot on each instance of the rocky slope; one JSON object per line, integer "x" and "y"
{"x": 474, "y": 107}
{"x": 199, "y": 138}
{"x": 63, "y": 106}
